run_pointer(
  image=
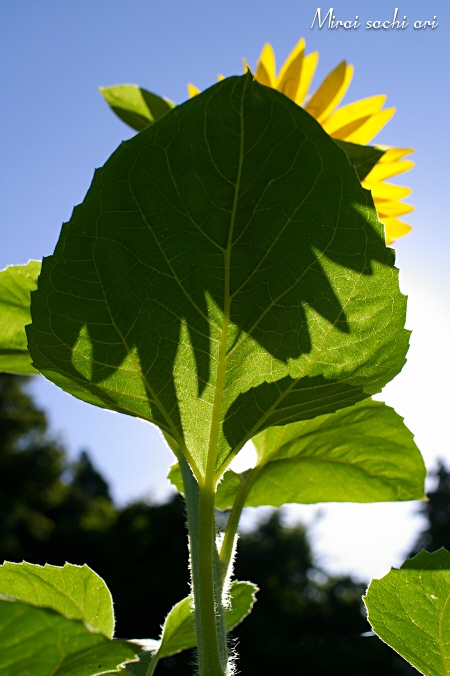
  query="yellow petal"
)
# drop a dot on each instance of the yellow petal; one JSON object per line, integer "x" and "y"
{"x": 383, "y": 170}
{"x": 289, "y": 76}
{"x": 389, "y": 209}
{"x": 393, "y": 154}
{"x": 353, "y": 112}
{"x": 265, "y": 71}
{"x": 371, "y": 127}
{"x": 246, "y": 67}
{"x": 308, "y": 69}
{"x": 395, "y": 229}
{"x": 192, "y": 90}
{"x": 359, "y": 122}
{"x": 330, "y": 93}
{"x": 386, "y": 191}
{"x": 220, "y": 77}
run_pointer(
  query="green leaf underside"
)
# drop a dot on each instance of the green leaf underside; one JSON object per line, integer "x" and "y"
{"x": 40, "y": 642}
{"x": 178, "y": 632}
{"x": 74, "y": 591}
{"x": 363, "y": 158}
{"x": 225, "y": 273}
{"x": 409, "y": 609}
{"x": 360, "y": 454}
{"x": 16, "y": 283}
{"x": 135, "y": 106}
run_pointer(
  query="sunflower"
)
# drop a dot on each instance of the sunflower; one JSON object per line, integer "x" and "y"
{"x": 356, "y": 122}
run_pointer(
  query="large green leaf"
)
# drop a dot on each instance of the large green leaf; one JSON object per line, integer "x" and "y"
{"x": 225, "y": 273}
{"x": 409, "y": 609}
{"x": 16, "y": 283}
{"x": 74, "y": 591}
{"x": 135, "y": 106}
{"x": 178, "y": 632}
{"x": 40, "y": 642}
{"x": 360, "y": 454}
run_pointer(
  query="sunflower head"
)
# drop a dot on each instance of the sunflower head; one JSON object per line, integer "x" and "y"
{"x": 357, "y": 122}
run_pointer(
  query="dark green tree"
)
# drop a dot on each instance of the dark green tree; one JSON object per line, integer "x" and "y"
{"x": 31, "y": 466}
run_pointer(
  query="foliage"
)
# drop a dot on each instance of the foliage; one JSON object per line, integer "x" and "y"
{"x": 16, "y": 283}
{"x": 38, "y": 641}
{"x": 57, "y": 621}
{"x": 421, "y": 583}
{"x": 99, "y": 348}
{"x": 73, "y": 591}
{"x": 227, "y": 273}
{"x": 137, "y": 107}
{"x": 410, "y": 610}
{"x": 360, "y": 454}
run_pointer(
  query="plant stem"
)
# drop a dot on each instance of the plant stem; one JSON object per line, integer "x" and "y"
{"x": 227, "y": 549}
{"x": 210, "y": 662}
{"x": 152, "y": 665}
{"x": 209, "y": 621}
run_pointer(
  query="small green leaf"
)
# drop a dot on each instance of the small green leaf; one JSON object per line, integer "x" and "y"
{"x": 364, "y": 453}
{"x": 175, "y": 477}
{"x": 16, "y": 283}
{"x": 178, "y": 632}
{"x": 363, "y": 158}
{"x": 243, "y": 597}
{"x": 225, "y": 273}
{"x": 409, "y": 609}
{"x": 40, "y": 642}
{"x": 135, "y": 106}
{"x": 74, "y": 591}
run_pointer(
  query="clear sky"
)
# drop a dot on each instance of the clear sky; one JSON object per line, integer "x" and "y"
{"x": 56, "y": 129}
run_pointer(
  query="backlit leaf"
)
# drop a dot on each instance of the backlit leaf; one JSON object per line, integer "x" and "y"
{"x": 364, "y": 453}
{"x": 74, "y": 591}
{"x": 225, "y": 273}
{"x": 16, "y": 283}
{"x": 39, "y": 642}
{"x": 135, "y": 106}
{"x": 409, "y": 609}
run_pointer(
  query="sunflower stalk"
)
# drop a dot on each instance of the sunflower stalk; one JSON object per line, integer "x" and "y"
{"x": 206, "y": 576}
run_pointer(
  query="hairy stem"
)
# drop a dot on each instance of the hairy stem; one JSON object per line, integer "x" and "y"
{"x": 209, "y": 620}
{"x": 210, "y": 662}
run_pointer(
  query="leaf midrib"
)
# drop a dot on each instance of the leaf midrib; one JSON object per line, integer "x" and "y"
{"x": 216, "y": 418}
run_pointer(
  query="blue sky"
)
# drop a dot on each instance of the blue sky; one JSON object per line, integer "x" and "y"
{"x": 56, "y": 129}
